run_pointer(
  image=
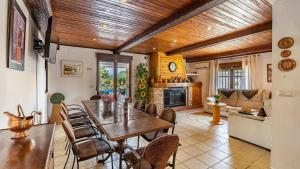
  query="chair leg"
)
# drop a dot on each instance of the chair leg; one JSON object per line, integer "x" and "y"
{"x": 73, "y": 161}
{"x": 112, "y": 161}
{"x": 68, "y": 148}
{"x": 174, "y": 160}
{"x": 67, "y": 159}
{"x": 77, "y": 163}
{"x": 138, "y": 142}
{"x": 67, "y": 142}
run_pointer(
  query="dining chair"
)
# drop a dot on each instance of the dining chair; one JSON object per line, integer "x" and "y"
{"x": 154, "y": 156}
{"x": 168, "y": 115}
{"x": 140, "y": 105}
{"x": 151, "y": 109}
{"x": 76, "y": 122}
{"x": 87, "y": 148}
{"x": 73, "y": 112}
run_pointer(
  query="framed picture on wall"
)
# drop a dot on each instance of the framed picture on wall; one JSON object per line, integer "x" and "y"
{"x": 16, "y": 36}
{"x": 71, "y": 68}
{"x": 269, "y": 73}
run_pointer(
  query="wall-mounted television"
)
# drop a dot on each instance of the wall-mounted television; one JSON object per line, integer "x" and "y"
{"x": 50, "y": 56}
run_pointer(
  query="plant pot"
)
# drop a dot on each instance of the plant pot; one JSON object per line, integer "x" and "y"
{"x": 55, "y": 118}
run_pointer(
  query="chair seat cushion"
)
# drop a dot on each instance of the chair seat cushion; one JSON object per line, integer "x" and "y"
{"x": 84, "y": 132}
{"x": 151, "y": 136}
{"x": 79, "y": 122}
{"x": 92, "y": 148}
{"x": 77, "y": 115}
{"x": 129, "y": 157}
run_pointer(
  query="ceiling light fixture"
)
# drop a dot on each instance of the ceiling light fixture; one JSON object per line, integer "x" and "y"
{"x": 94, "y": 39}
{"x": 154, "y": 48}
{"x": 209, "y": 28}
{"x": 174, "y": 40}
{"x": 124, "y": 1}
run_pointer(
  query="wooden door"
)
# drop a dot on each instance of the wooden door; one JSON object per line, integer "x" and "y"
{"x": 196, "y": 96}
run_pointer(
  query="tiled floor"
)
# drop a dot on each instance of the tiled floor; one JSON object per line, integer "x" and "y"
{"x": 203, "y": 146}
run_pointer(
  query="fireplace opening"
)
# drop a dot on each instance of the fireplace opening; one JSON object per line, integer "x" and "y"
{"x": 174, "y": 96}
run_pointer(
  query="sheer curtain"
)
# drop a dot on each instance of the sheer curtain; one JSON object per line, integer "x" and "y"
{"x": 213, "y": 72}
{"x": 249, "y": 64}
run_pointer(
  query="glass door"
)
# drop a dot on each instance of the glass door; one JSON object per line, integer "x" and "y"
{"x": 123, "y": 82}
{"x": 114, "y": 78}
{"x": 106, "y": 78}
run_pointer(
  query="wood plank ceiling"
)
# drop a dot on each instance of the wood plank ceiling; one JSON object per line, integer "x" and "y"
{"x": 230, "y": 26}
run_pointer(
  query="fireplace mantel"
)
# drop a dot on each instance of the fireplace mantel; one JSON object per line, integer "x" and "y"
{"x": 166, "y": 85}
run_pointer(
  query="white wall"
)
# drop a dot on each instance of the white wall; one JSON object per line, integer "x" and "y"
{"x": 285, "y": 110}
{"x": 20, "y": 87}
{"x": 77, "y": 89}
{"x": 203, "y": 76}
{"x": 263, "y": 60}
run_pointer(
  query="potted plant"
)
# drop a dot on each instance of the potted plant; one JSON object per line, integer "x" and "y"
{"x": 217, "y": 98}
{"x": 56, "y": 99}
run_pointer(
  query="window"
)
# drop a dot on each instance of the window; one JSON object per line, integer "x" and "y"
{"x": 230, "y": 76}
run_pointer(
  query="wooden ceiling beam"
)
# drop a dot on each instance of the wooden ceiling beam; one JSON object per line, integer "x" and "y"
{"x": 40, "y": 11}
{"x": 234, "y": 35}
{"x": 196, "y": 8}
{"x": 234, "y": 53}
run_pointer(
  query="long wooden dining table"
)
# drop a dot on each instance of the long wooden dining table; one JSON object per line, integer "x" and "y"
{"x": 122, "y": 123}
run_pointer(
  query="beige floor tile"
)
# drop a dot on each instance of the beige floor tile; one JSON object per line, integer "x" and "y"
{"x": 208, "y": 159}
{"x": 195, "y": 164}
{"x": 193, "y": 151}
{"x": 236, "y": 163}
{"x": 218, "y": 154}
{"x": 222, "y": 165}
{"x": 183, "y": 156}
{"x": 203, "y": 147}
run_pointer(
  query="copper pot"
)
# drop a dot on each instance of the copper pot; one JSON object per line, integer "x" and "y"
{"x": 19, "y": 124}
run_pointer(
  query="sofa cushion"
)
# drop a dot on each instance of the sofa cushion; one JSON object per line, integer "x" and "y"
{"x": 229, "y": 96}
{"x": 254, "y": 117}
{"x": 252, "y": 99}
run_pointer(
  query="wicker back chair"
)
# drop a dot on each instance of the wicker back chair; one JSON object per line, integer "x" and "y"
{"x": 140, "y": 105}
{"x": 155, "y": 155}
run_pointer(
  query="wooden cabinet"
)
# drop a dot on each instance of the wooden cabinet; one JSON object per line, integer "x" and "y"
{"x": 196, "y": 95}
{"x": 33, "y": 152}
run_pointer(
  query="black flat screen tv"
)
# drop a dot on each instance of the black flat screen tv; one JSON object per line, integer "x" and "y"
{"x": 50, "y": 57}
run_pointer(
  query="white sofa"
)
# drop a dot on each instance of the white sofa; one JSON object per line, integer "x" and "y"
{"x": 251, "y": 128}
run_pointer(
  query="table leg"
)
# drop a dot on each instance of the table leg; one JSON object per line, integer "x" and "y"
{"x": 119, "y": 149}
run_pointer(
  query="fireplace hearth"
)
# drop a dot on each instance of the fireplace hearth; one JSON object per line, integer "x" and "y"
{"x": 174, "y": 96}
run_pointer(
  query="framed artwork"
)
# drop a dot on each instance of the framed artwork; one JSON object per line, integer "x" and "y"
{"x": 71, "y": 68}
{"x": 16, "y": 36}
{"x": 269, "y": 73}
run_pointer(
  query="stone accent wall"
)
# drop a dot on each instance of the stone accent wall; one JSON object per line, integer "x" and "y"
{"x": 157, "y": 98}
{"x": 189, "y": 96}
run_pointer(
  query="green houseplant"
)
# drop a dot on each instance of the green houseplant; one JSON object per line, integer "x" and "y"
{"x": 142, "y": 75}
{"x": 56, "y": 99}
{"x": 217, "y": 98}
